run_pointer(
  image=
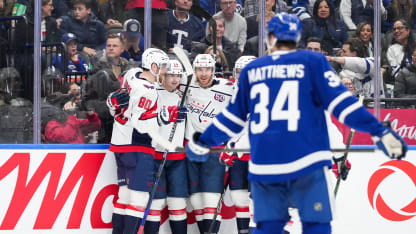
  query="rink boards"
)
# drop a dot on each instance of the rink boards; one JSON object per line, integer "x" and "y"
{"x": 70, "y": 189}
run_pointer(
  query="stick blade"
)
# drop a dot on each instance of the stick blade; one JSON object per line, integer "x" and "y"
{"x": 184, "y": 60}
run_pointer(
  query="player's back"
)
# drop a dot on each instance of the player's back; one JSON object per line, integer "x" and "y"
{"x": 286, "y": 96}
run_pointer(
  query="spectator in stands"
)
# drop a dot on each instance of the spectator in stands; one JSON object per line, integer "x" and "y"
{"x": 229, "y": 48}
{"x": 399, "y": 52}
{"x": 89, "y": 30}
{"x": 252, "y": 44}
{"x": 133, "y": 40}
{"x": 221, "y": 63}
{"x": 213, "y": 6}
{"x": 365, "y": 33}
{"x": 6, "y": 7}
{"x": 405, "y": 82}
{"x": 112, "y": 60}
{"x": 251, "y": 7}
{"x": 354, "y": 12}
{"x": 112, "y": 14}
{"x": 235, "y": 25}
{"x": 104, "y": 81}
{"x": 15, "y": 112}
{"x": 314, "y": 44}
{"x": 358, "y": 66}
{"x": 69, "y": 129}
{"x": 325, "y": 26}
{"x": 74, "y": 61}
{"x": 400, "y": 9}
{"x": 60, "y": 8}
{"x": 183, "y": 26}
{"x": 159, "y": 16}
{"x": 348, "y": 82}
{"x": 253, "y": 21}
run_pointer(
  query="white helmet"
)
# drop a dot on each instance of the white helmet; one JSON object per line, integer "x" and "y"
{"x": 153, "y": 55}
{"x": 241, "y": 63}
{"x": 174, "y": 67}
{"x": 204, "y": 60}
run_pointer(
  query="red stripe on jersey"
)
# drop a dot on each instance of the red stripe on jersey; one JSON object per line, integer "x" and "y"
{"x": 242, "y": 209}
{"x": 199, "y": 212}
{"x": 210, "y": 210}
{"x": 120, "y": 206}
{"x": 170, "y": 156}
{"x": 245, "y": 157}
{"x": 131, "y": 148}
{"x": 136, "y": 208}
{"x": 151, "y": 113}
{"x": 154, "y": 212}
{"x": 177, "y": 212}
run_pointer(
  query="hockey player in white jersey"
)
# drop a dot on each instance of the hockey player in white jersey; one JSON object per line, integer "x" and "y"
{"x": 286, "y": 94}
{"x": 136, "y": 123}
{"x": 173, "y": 182}
{"x": 206, "y": 97}
{"x": 238, "y": 162}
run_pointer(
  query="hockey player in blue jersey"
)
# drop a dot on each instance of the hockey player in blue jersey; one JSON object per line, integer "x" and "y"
{"x": 286, "y": 94}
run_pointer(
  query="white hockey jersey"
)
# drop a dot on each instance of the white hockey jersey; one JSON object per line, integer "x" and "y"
{"x": 132, "y": 124}
{"x": 204, "y": 104}
{"x": 165, "y": 99}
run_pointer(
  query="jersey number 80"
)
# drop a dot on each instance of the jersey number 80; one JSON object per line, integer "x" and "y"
{"x": 289, "y": 91}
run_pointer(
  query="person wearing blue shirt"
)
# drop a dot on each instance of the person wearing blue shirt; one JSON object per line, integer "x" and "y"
{"x": 133, "y": 40}
{"x": 286, "y": 94}
{"x": 74, "y": 61}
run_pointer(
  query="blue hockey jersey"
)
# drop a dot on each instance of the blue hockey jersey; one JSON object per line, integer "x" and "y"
{"x": 182, "y": 33}
{"x": 286, "y": 94}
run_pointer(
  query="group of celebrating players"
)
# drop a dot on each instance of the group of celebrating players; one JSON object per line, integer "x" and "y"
{"x": 276, "y": 104}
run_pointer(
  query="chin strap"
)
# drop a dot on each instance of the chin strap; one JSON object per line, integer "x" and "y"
{"x": 270, "y": 45}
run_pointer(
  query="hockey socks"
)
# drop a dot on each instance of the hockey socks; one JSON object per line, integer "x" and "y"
{"x": 242, "y": 225}
{"x": 151, "y": 227}
{"x": 131, "y": 224}
{"x": 118, "y": 223}
{"x": 178, "y": 227}
{"x": 266, "y": 227}
{"x": 316, "y": 228}
{"x": 207, "y": 224}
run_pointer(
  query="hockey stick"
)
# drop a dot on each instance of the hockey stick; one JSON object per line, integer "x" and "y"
{"x": 217, "y": 210}
{"x": 247, "y": 150}
{"x": 189, "y": 72}
{"x": 343, "y": 165}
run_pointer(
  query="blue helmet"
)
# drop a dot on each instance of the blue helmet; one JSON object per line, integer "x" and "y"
{"x": 285, "y": 27}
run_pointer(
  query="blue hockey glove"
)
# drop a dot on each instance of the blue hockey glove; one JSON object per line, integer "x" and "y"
{"x": 338, "y": 168}
{"x": 172, "y": 114}
{"x": 119, "y": 99}
{"x": 391, "y": 144}
{"x": 196, "y": 151}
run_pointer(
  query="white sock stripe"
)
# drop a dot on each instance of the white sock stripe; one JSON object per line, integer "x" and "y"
{"x": 177, "y": 217}
{"x": 119, "y": 211}
{"x": 337, "y": 100}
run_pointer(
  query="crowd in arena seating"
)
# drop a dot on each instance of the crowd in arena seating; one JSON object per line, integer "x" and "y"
{"x": 92, "y": 42}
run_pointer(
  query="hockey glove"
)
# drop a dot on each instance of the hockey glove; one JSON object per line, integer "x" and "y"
{"x": 338, "y": 168}
{"x": 172, "y": 114}
{"x": 197, "y": 151}
{"x": 391, "y": 144}
{"x": 227, "y": 159}
{"x": 119, "y": 99}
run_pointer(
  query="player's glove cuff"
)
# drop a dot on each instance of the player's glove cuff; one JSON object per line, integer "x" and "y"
{"x": 227, "y": 159}
{"x": 172, "y": 114}
{"x": 195, "y": 150}
{"x": 391, "y": 144}
{"x": 338, "y": 168}
{"x": 118, "y": 100}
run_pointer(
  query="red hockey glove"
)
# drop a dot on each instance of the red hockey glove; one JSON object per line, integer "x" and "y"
{"x": 227, "y": 159}
{"x": 172, "y": 114}
{"x": 341, "y": 169}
